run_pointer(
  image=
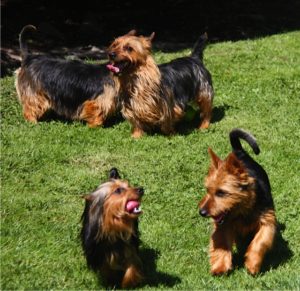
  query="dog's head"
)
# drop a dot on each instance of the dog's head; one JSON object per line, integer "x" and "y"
{"x": 129, "y": 51}
{"x": 230, "y": 189}
{"x": 110, "y": 214}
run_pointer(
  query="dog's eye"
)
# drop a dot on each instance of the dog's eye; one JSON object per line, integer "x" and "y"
{"x": 128, "y": 48}
{"x": 220, "y": 193}
{"x": 119, "y": 190}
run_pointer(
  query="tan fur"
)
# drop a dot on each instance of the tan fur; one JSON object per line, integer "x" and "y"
{"x": 95, "y": 112}
{"x": 31, "y": 95}
{"x": 143, "y": 106}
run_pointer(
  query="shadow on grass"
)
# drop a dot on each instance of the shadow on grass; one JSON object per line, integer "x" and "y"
{"x": 53, "y": 116}
{"x": 278, "y": 255}
{"x": 153, "y": 277}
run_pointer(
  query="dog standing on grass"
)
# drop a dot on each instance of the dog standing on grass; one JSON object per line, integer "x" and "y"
{"x": 72, "y": 89}
{"x": 109, "y": 235}
{"x": 240, "y": 203}
{"x": 156, "y": 97}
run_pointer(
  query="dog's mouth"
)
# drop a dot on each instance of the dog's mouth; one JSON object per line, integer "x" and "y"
{"x": 133, "y": 207}
{"x": 117, "y": 67}
{"x": 219, "y": 219}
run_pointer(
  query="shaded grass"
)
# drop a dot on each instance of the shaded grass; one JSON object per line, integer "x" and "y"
{"x": 45, "y": 168}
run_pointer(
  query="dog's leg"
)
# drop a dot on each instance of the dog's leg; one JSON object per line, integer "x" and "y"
{"x": 261, "y": 243}
{"x": 91, "y": 113}
{"x": 34, "y": 107}
{"x": 132, "y": 277}
{"x": 137, "y": 132}
{"x": 167, "y": 128}
{"x": 205, "y": 104}
{"x": 221, "y": 251}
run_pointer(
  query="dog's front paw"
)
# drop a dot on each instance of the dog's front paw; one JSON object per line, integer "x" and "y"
{"x": 220, "y": 270}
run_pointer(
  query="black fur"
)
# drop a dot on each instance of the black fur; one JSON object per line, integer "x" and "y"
{"x": 186, "y": 76}
{"x": 263, "y": 188}
{"x": 67, "y": 83}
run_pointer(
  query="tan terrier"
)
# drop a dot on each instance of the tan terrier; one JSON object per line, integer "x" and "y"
{"x": 239, "y": 201}
{"x": 156, "y": 97}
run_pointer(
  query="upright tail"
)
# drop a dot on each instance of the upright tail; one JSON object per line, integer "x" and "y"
{"x": 199, "y": 47}
{"x": 22, "y": 41}
{"x": 235, "y": 136}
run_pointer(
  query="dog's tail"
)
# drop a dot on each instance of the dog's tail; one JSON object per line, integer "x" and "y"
{"x": 22, "y": 41}
{"x": 199, "y": 46}
{"x": 235, "y": 136}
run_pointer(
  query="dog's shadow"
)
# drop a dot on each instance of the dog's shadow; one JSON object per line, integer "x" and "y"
{"x": 190, "y": 123}
{"x": 53, "y": 116}
{"x": 154, "y": 278}
{"x": 278, "y": 255}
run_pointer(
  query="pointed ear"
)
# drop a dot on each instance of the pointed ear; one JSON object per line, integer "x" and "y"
{"x": 151, "y": 36}
{"x": 88, "y": 197}
{"x": 234, "y": 165}
{"x": 114, "y": 174}
{"x": 214, "y": 159}
{"x": 131, "y": 32}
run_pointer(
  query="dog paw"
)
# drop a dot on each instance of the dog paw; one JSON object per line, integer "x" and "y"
{"x": 220, "y": 270}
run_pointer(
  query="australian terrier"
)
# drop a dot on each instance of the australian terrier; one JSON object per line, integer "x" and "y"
{"x": 110, "y": 237}
{"x": 240, "y": 203}
{"x": 156, "y": 97}
{"x": 72, "y": 89}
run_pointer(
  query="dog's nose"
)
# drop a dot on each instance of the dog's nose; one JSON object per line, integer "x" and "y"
{"x": 112, "y": 55}
{"x": 203, "y": 212}
{"x": 140, "y": 191}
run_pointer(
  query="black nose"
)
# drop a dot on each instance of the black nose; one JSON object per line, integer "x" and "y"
{"x": 203, "y": 212}
{"x": 140, "y": 191}
{"x": 112, "y": 55}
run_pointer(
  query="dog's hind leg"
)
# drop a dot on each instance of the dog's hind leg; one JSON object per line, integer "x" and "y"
{"x": 205, "y": 103}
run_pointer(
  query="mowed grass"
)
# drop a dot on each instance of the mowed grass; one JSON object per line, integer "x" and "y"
{"x": 45, "y": 168}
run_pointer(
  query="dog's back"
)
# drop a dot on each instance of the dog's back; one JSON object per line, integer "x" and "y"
{"x": 255, "y": 170}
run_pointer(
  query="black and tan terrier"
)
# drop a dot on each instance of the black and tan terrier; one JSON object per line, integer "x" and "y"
{"x": 72, "y": 89}
{"x": 240, "y": 203}
{"x": 156, "y": 97}
{"x": 110, "y": 237}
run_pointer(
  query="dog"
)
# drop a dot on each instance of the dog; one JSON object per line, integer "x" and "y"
{"x": 72, "y": 89}
{"x": 240, "y": 203}
{"x": 156, "y": 97}
{"x": 109, "y": 235}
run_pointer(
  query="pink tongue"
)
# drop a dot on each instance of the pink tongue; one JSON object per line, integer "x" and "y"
{"x": 113, "y": 68}
{"x": 131, "y": 205}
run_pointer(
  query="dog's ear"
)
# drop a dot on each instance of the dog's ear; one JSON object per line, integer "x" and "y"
{"x": 131, "y": 32}
{"x": 88, "y": 197}
{"x": 114, "y": 174}
{"x": 215, "y": 160}
{"x": 233, "y": 165}
{"x": 151, "y": 36}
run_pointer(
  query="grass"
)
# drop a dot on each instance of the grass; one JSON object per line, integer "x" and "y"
{"x": 46, "y": 167}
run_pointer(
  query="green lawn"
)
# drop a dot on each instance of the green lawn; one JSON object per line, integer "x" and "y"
{"x": 45, "y": 168}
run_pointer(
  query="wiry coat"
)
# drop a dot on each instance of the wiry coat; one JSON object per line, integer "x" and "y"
{"x": 110, "y": 236}
{"x": 73, "y": 89}
{"x": 155, "y": 96}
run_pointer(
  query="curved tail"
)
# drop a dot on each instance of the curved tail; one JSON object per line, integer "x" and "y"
{"x": 199, "y": 46}
{"x": 22, "y": 41}
{"x": 235, "y": 136}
